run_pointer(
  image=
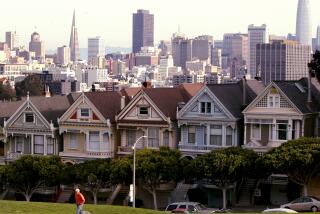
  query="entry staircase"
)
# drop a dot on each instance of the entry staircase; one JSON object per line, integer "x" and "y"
{"x": 119, "y": 196}
{"x": 181, "y": 192}
{"x": 246, "y": 191}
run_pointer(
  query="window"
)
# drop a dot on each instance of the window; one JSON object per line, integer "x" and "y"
{"x": 84, "y": 112}
{"x": 282, "y": 129}
{"x": 255, "y": 131}
{"x": 19, "y": 144}
{"x": 192, "y": 135}
{"x": 216, "y": 135}
{"x": 153, "y": 137}
{"x": 29, "y": 118}
{"x": 166, "y": 138}
{"x": 143, "y": 110}
{"x": 38, "y": 144}
{"x": 205, "y": 107}
{"x": 94, "y": 141}
{"x": 274, "y": 101}
{"x": 131, "y": 137}
{"x": 229, "y": 131}
{"x": 73, "y": 141}
{"x": 106, "y": 138}
{"x": 50, "y": 146}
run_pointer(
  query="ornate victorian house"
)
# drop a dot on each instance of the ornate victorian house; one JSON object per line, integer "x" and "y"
{"x": 88, "y": 126}
{"x": 212, "y": 119}
{"x": 30, "y": 125}
{"x": 280, "y": 113}
{"x": 152, "y": 113}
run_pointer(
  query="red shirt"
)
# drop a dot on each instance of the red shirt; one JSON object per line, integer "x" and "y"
{"x": 79, "y": 198}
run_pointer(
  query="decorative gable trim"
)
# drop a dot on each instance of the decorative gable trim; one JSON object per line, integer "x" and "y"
{"x": 193, "y": 103}
{"x": 133, "y": 103}
{"x": 71, "y": 113}
{"x": 262, "y": 99}
{"x": 27, "y": 106}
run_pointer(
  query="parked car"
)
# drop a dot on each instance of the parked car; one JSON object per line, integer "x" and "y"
{"x": 191, "y": 207}
{"x": 279, "y": 210}
{"x": 179, "y": 210}
{"x": 305, "y": 203}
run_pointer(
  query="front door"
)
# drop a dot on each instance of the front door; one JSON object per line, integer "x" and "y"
{"x": 1, "y": 148}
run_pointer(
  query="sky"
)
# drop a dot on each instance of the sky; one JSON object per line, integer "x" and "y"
{"x": 112, "y": 20}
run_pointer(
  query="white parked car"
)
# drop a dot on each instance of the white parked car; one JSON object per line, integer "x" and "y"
{"x": 305, "y": 203}
{"x": 279, "y": 210}
{"x": 193, "y": 207}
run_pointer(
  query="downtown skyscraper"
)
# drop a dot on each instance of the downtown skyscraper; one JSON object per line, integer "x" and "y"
{"x": 74, "y": 45}
{"x": 303, "y": 27}
{"x": 142, "y": 30}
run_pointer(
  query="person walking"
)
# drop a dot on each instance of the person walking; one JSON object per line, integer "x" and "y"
{"x": 79, "y": 201}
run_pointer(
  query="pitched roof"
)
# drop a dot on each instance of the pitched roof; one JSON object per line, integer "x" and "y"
{"x": 108, "y": 103}
{"x": 231, "y": 95}
{"x": 167, "y": 99}
{"x": 50, "y": 107}
{"x": 297, "y": 92}
{"x": 191, "y": 88}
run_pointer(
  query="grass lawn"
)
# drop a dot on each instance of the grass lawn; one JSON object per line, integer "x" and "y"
{"x": 7, "y": 207}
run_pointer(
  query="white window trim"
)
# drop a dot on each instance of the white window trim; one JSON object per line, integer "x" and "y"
{"x": 84, "y": 117}
{"x": 206, "y": 107}
{"x": 143, "y": 115}
{"x": 273, "y": 96}
{"x": 25, "y": 118}
{"x": 71, "y": 146}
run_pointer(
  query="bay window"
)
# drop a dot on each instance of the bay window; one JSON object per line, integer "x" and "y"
{"x": 131, "y": 137}
{"x": 94, "y": 141}
{"x": 153, "y": 137}
{"x": 19, "y": 144}
{"x": 38, "y": 144}
{"x": 282, "y": 129}
{"x": 50, "y": 146}
{"x": 166, "y": 138}
{"x": 229, "y": 136}
{"x": 256, "y": 131}
{"x": 73, "y": 141}
{"x": 192, "y": 135}
{"x": 216, "y": 135}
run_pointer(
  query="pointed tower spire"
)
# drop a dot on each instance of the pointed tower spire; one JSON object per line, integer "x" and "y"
{"x": 74, "y": 45}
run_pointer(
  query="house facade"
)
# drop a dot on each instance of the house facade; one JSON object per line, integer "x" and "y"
{"x": 88, "y": 126}
{"x": 281, "y": 113}
{"x": 212, "y": 119}
{"x": 32, "y": 127}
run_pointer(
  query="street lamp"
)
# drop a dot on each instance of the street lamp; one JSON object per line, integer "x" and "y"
{"x": 134, "y": 170}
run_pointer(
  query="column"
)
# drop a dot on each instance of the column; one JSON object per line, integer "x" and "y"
{"x": 32, "y": 145}
{"x": 224, "y": 133}
{"x": 45, "y": 145}
{"x": 297, "y": 129}
{"x": 208, "y": 134}
{"x": 274, "y": 130}
{"x": 87, "y": 141}
{"x": 289, "y": 130}
{"x": 245, "y": 134}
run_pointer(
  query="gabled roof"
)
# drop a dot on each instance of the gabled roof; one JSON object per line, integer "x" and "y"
{"x": 231, "y": 95}
{"x": 191, "y": 88}
{"x": 50, "y": 107}
{"x": 297, "y": 92}
{"x": 107, "y": 103}
{"x": 167, "y": 99}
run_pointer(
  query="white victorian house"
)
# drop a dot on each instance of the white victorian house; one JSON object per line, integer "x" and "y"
{"x": 212, "y": 119}
{"x": 88, "y": 126}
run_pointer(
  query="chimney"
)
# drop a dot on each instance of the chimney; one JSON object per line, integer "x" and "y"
{"x": 123, "y": 102}
{"x": 309, "y": 89}
{"x": 244, "y": 91}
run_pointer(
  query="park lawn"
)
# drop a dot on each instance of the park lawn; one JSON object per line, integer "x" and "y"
{"x": 8, "y": 207}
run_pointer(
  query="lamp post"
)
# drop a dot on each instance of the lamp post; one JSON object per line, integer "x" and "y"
{"x": 134, "y": 170}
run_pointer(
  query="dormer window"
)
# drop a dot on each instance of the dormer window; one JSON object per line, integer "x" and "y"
{"x": 205, "y": 107}
{"x": 29, "y": 118}
{"x": 84, "y": 112}
{"x": 274, "y": 101}
{"x": 143, "y": 110}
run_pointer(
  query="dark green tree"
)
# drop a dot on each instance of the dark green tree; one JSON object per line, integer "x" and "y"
{"x": 224, "y": 168}
{"x": 31, "y": 84}
{"x": 29, "y": 173}
{"x": 6, "y": 91}
{"x": 314, "y": 65}
{"x": 299, "y": 159}
{"x": 121, "y": 171}
{"x": 157, "y": 167}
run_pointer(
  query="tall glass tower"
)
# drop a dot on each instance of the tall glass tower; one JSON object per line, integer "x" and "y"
{"x": 303, "y": 28}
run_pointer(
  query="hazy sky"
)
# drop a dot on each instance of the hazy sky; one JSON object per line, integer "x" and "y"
{"x": 113, "y": 19}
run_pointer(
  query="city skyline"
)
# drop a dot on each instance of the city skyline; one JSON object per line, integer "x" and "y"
{"x": 113, "y": 22}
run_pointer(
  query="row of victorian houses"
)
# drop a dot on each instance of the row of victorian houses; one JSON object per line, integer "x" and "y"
{"x": 193, "y": 118}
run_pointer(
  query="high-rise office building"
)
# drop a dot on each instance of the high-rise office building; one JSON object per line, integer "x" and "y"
{"x": 318, "y": 37}
{"x": 142, "y": 30}
{"x": 11, "y": 39}
{"x": 95, "y": 48}
{"x": 282, "y": 60}
{"x": 256, "y": 35}
{"x": 63, "y": 55}
{"x": 201, "y": 48}
{"x": 74, "y": 45}
{"x": 37, "y": 46}
{"x": 303, "y": 27}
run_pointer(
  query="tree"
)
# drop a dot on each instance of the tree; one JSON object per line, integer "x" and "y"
{"x": 95, "y": 175}
{"x": 31, "y": 84}
{"x": 121, "y": 171}
{"x": 314, "y": 65}
{"x": 157, "y": 167}
{"x": 29, "y": 173}
{"x": 225, "y": 167}
{"x": 299, "y": 159}
{"x": 6, "y": 91}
